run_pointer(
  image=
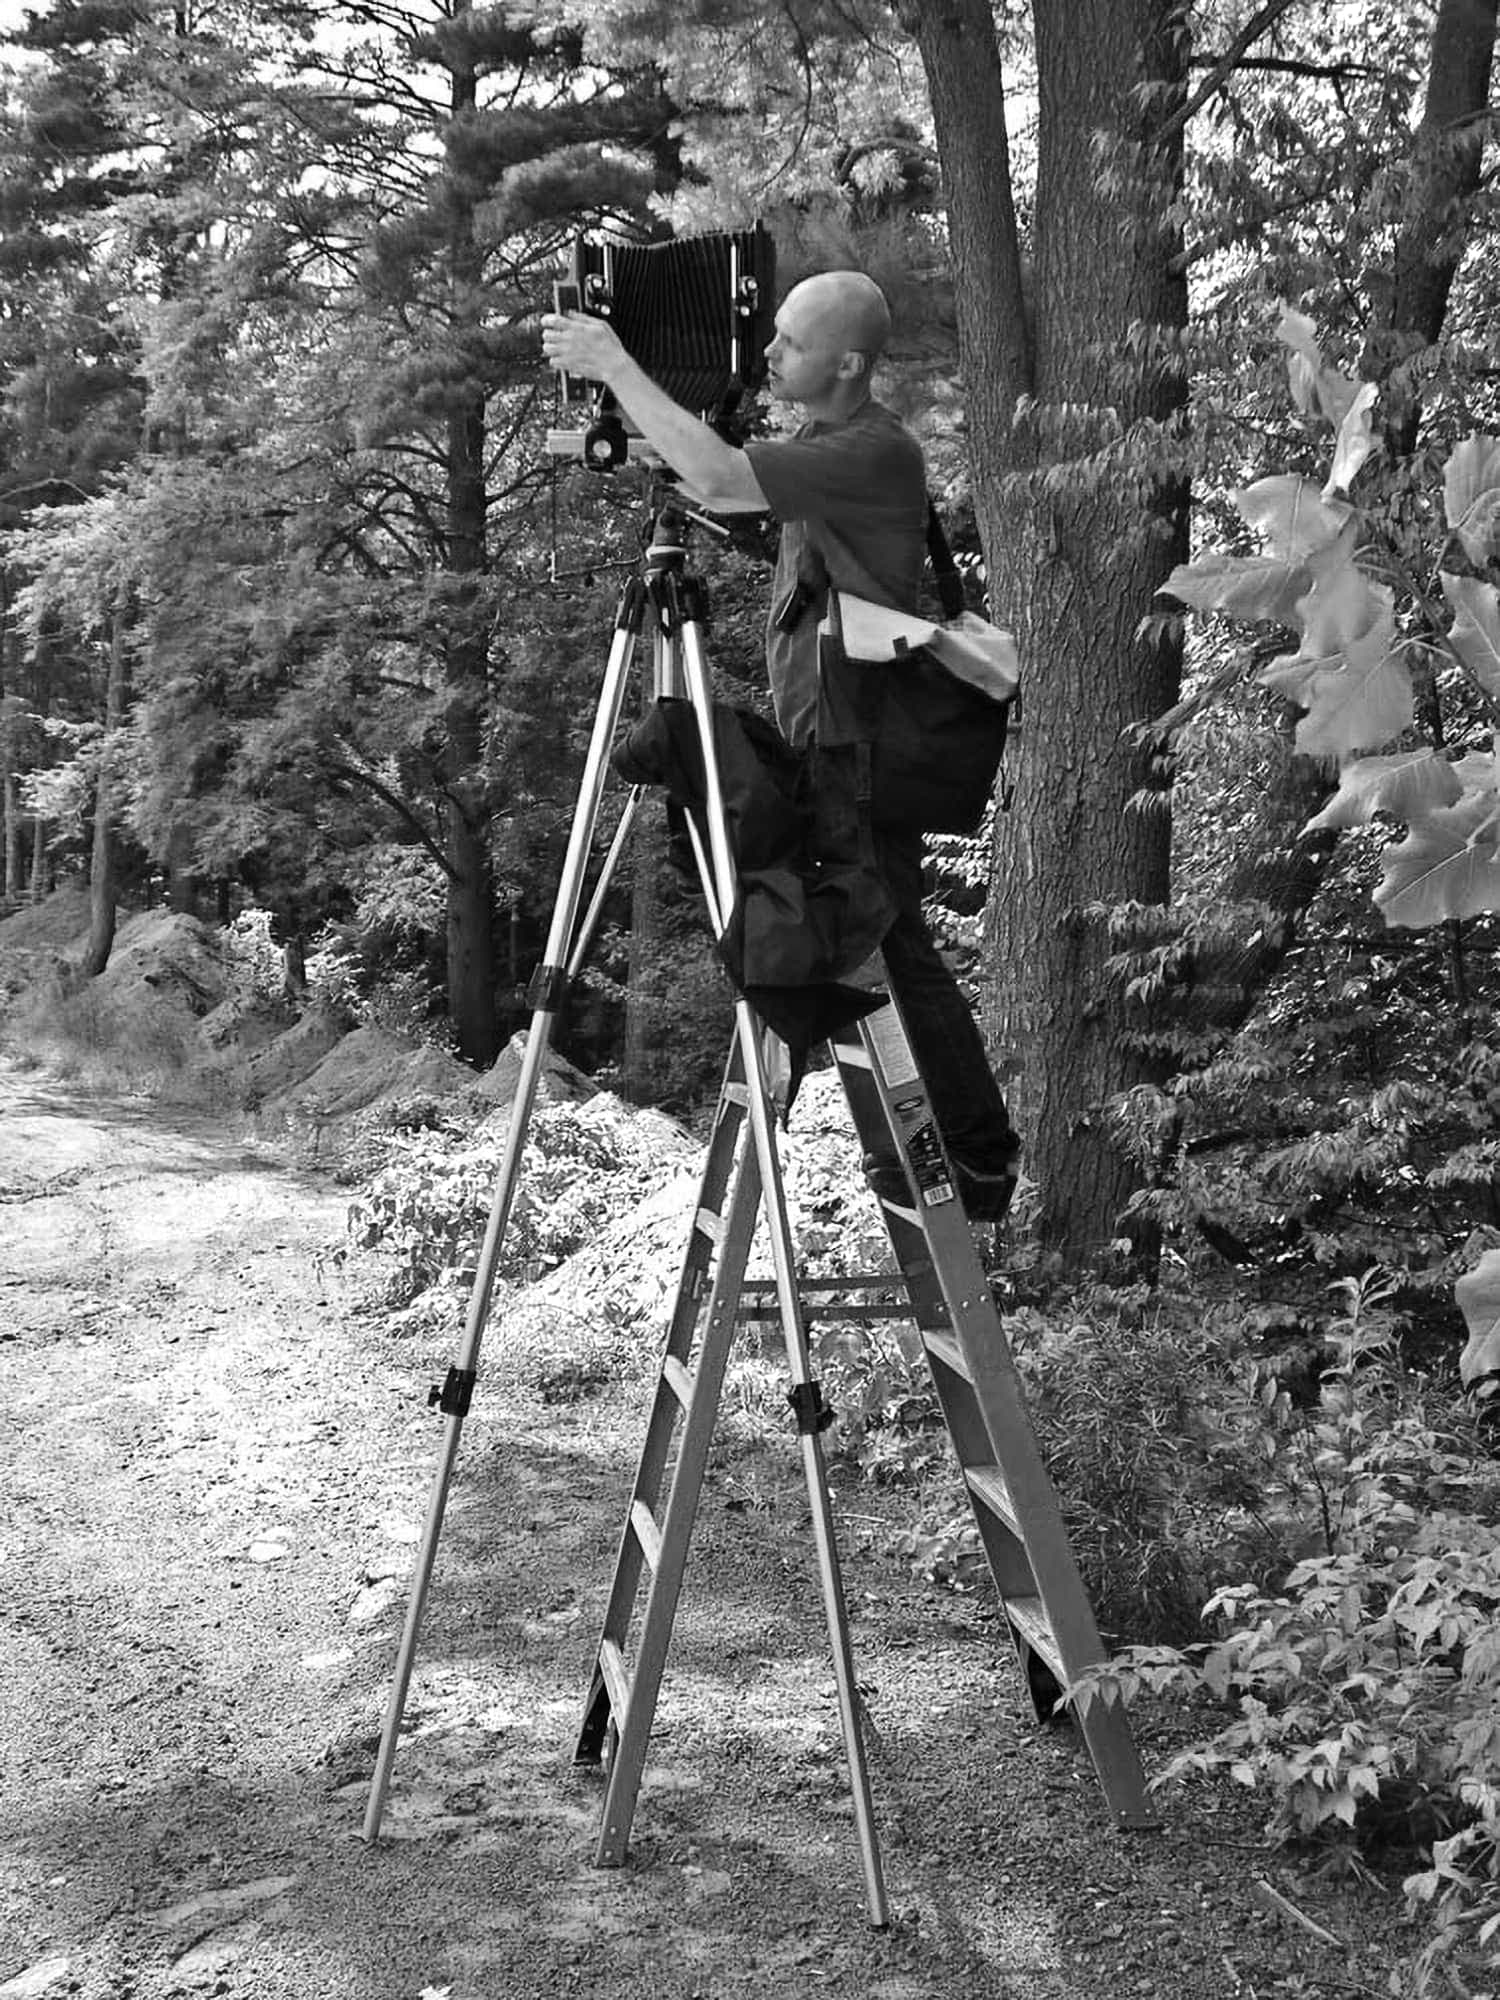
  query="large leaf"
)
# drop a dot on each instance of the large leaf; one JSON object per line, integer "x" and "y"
{"x": 1447, "y": 866}
{"x": 1406, "y": 786}
{"x": 1258, "y": 589}
{"x": 1292, "y": 515}
{"x": 1478, "y": 1295}
{"x": 1355, "y": 698}
{"x": 1476, "y": 628}
{"x": 1471, "y": 493}
{"x": 1355, "y": 442}
{"x": 1316, "y": 388}
{"x": 1343, "y": 604}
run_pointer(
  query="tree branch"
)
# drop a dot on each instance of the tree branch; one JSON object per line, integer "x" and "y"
{"x": 1289, "y": 66}
{"x": 399, "y": 806}
{"x": 1264, "y": 18}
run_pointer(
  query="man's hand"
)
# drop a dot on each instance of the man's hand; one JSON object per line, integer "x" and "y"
{"x": 581, "y": 344}
{"x": 716, "y": 474}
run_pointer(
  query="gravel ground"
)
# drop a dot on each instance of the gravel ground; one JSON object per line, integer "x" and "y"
{"x": 216, "y": 1461}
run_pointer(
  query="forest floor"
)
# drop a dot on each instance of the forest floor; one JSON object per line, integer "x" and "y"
{"x": 216, "y": 1454}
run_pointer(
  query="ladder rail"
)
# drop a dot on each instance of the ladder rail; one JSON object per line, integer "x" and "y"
{"x": 631, "y": 1729}
{"x": 1015, "y": 1506}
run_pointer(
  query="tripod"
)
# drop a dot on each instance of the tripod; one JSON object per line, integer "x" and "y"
{"x": 665, "y": 605}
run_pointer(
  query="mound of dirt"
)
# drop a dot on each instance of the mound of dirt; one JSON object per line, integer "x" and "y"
{"x": 40, "y": 941}
{"x": 162, "y": 956}
{"x": 52, "y": 925}
{"x": 245, "y": 1022}
{"x": 629, "y": 1272}
{"x": 369, "y": 1068}
{"x": 292, "y": 1056}
{"x": 559, "y": 1083}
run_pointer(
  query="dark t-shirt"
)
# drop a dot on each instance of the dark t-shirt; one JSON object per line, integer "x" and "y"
{"x": 858, "y": 491}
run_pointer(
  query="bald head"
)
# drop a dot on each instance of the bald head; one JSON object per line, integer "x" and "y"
{"x": 830, "y": 331}
{"x": 846, "y": 311}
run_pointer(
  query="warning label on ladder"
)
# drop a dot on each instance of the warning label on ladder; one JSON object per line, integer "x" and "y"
{"x": 888, "y": 1042}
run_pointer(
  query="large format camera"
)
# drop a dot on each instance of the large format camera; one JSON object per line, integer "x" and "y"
{"x": 697, "y": 313}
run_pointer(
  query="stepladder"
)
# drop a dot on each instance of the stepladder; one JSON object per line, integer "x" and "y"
{"x": 948, "y": 1301}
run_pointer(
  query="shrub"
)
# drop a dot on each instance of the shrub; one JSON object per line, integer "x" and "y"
{"x": 427, "y": 1206}
{"x": 1366, "y": 1690}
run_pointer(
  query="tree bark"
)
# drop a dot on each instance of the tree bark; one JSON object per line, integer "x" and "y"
{"x": 470, "y": 907}
{"x": 1442, "y": 175}
{"x": 1078, "y": 531}
{"x": 12, "y": 828}
{"x": 101, "y": 937}
{"x": 10, "y": 833}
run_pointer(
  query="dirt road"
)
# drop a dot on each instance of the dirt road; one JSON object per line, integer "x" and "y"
{"x": 215, "y": 1465}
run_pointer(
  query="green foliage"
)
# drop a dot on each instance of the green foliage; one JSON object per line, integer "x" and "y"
{"x": 582, "y": 1166}
{"x": 1398, "y": 654}
{"x": 1365, "y": 1690}
{"x": 1146, "y": 1419}
{"x": 1334, "y": 573}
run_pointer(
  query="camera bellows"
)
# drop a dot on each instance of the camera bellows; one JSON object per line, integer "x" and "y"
{"x": 697, "y": 313}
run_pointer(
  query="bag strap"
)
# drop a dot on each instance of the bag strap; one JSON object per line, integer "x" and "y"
{"x": 945, "y": 573}
{"x": 946, "y": 576}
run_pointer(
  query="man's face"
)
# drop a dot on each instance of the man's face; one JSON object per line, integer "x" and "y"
{"x": 803, "y": 359}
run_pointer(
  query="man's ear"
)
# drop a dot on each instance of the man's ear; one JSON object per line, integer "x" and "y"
{"x": 853, "y": 364}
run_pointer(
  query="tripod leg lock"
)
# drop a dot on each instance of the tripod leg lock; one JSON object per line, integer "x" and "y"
{"x": 548, "y": 991}
{"x": 812, "y": 1413}
{"x": 454, "y": 1393}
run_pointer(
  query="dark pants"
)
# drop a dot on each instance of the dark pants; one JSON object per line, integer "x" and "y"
{"x": 945, "y": 1039}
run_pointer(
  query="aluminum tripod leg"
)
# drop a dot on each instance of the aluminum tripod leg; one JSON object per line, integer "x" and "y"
{"x": 549, "y": 989}
{"x": 805, "y": 1396}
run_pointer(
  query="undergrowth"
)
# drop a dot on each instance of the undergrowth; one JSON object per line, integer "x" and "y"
{"x": 1362, "y": 1690}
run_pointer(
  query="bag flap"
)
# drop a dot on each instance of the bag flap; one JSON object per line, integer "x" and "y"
{"x": 874, "y": 631}
{"x": 979, "y": 653}
{"x": 973, "y": 650}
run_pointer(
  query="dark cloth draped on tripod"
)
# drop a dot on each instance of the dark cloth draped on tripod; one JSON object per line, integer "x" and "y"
{"x": 810, "y": 908}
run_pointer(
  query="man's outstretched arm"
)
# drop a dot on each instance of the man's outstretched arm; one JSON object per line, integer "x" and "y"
{"x": 716, "y": 473}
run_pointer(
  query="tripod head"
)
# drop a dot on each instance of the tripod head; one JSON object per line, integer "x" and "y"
{"x": 671, "y": 515}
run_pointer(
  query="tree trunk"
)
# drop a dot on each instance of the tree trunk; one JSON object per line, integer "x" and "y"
{"x": 470, "y": 913}
{"x": 10, "y": 708}
{"x": 1076, "y": 544}
{"x": 1442, "y": 176}
{"x": 102, "y": 865}
{"x": 12, "y": 829}
{"x": 294, "y": 969}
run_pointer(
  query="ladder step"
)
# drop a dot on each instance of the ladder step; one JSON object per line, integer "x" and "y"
{"x": 906, "y": 1208}
{"x": 710, "y": 1224}
{"x": 1029, "y": 1617}
{"x": 943, "y": 1347}
{"x": 616, "y": 1678}
{"x": 678, "y": 1379}
{"x": 987, "y": 1484}
{"x": 643, "y": 1521}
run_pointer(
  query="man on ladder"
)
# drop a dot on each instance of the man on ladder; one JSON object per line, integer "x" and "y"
{"x": 850, "y": 492}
